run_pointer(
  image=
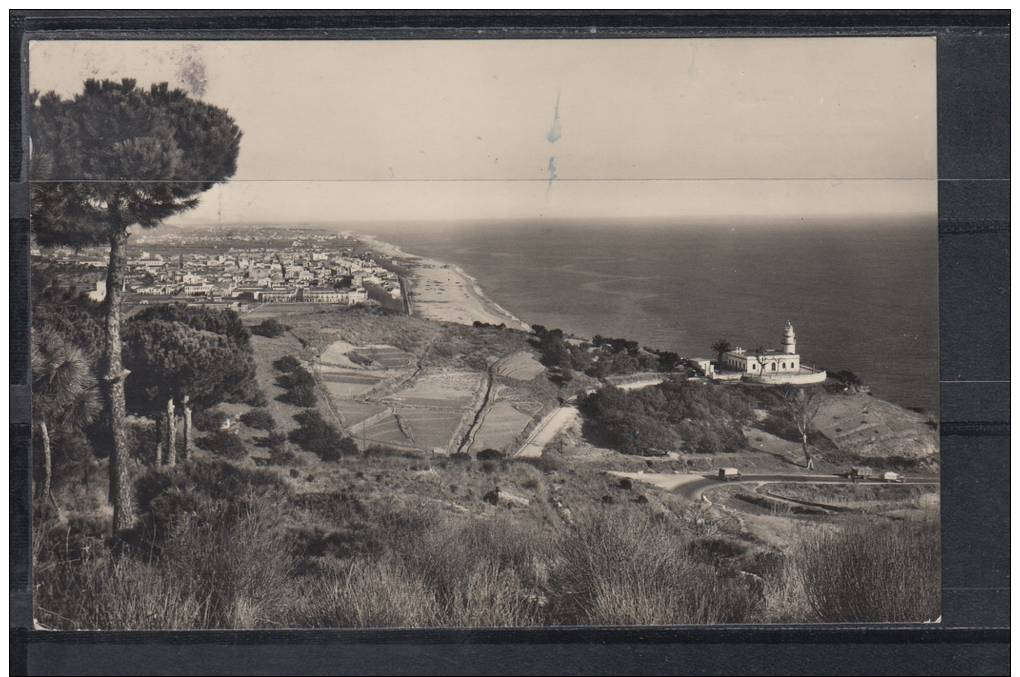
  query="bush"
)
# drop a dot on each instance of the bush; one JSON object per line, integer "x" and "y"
{"x": 370, "y": 594}
{"x": 490, "y": 455}
{"x": 104, "y": 591}
{"x": 260, "y": 419}
{"x": 216, "y": 556}
{"x": 626, "y": 568}
{"x": 287, "y": 363}
{"x": 300, "y": 396}
{"x": 270, "y": 328}
{"x": 208, "y": 420}
{"x": 223, "y": 443}
{"x": 298, "y": 376}
{"x": 870, "y": 572}
{"x": 316, "y": 435}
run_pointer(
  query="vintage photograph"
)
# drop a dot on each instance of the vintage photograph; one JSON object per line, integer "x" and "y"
{"x": 470, "y": 333}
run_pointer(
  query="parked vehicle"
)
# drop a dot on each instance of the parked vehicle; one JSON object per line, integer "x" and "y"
{"x": 893, "y": 477}
{"x": 860, "y": 472}
{"x": 729, "y": 474}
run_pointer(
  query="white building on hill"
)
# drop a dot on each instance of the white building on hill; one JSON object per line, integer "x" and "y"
{"x": 768, "y": 365}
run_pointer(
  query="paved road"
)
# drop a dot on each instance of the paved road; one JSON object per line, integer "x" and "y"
{"x": 645, "y": 383}
{"x": 546, "y": 430}
{"x": 693, "y": 486}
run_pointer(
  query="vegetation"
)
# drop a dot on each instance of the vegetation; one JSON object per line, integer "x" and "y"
{"x": 866, "y": 571}
{"x": 299, "y": 384}
{"x": 316, "y": 435}
{"x": 677, "y": 413}
{"x": 801, "y": 406}
{"x": 286, "y": 364}
{"x": 720, "y": 347}
{"x": 260, "y": 419}
{"x": 224, "y": 443}
{"x": 601, "y": 358}
{"x": 173, "y": 147}
{"x": 65, "y": 396}
{"x": 270, "y": 328}
{"x": 183, "y": 355}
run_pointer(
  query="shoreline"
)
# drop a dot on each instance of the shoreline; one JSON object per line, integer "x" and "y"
{"x": 442, "y": 291}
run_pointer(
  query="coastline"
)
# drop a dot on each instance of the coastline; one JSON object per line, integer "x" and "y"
{"x": 442, "y": 291}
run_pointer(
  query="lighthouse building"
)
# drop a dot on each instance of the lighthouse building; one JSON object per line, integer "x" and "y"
{"x": 769, "y": 365}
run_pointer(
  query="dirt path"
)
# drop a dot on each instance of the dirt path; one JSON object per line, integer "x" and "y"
{"x": 546, "y": 431}
{"x": 469, "y": 436}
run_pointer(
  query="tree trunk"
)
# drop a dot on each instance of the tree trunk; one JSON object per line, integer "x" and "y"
{"x": 171, "y": 433}
{"x": 809, "y": 461}
{"x": 186, "y": 406}
{"x": 120, "y": 475}
{"x": 160, "y": 436}
{"x": 47, "y": 457}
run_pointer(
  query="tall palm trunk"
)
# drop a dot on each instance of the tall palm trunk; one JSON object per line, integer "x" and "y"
{"x": 47, "y": 458}
{"x": 186, "y": 411}
{"x": 120, "y": 476}
{"x": 171, "y": 433}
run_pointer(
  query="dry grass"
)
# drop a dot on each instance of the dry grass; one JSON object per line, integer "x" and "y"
{"x": 627, "y": 568}
{"x": 869, "y": 571}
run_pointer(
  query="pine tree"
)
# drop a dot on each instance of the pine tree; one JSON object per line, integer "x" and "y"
{"x": 63, "y": 392}
{"x": 110, "y": 158}
{"x": 172, "y": 362}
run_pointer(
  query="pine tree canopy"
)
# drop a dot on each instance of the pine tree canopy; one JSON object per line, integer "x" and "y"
{"x": 117, "y": 155}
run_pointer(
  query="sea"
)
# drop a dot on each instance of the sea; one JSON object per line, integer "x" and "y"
{"x": 861, "y": 296}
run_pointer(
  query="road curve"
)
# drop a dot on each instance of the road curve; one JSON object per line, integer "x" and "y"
{"x": 546, "y": 430}
{"x": 692, "y": 486}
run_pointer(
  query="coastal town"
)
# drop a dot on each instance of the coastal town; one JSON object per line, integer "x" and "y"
{"x": 239, "y": 270}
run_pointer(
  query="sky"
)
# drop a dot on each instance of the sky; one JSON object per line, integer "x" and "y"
{"x": 683, "y": 129}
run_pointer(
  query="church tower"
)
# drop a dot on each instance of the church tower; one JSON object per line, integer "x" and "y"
{"x": 789, "y": 340}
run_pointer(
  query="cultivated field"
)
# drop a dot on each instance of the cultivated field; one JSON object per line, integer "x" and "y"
{"x": 521, "y": 366}
{"x": 501, "y": 426}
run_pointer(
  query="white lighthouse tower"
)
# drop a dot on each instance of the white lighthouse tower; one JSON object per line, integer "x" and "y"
{"x": 789, "y": 340}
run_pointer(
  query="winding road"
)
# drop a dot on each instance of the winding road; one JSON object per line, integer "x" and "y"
{"x": 547, "y": 430}
{"x": 693, "y": 485}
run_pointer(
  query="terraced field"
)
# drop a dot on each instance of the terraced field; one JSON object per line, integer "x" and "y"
{"x": 521, "y": 366}
{"x": 431, "y": 428}
{"x": 501, "y": 425}
{"x": 356, "y": 411}
{"x": 384, "y": 429}
{"x": 386, "y": 357}
{"x": 441, "y": 390}
{"x": 343, "y": 384}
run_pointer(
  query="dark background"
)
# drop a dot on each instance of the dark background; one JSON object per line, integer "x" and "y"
{"x": 973, "y": 149}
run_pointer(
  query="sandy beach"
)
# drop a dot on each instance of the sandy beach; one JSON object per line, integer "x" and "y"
{"x": 444, "y": 292}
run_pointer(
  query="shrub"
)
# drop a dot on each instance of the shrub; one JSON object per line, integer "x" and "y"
{"x": 240, "y": 562}
{"x": 300, "y": 396}
{"x": 625, "y": 568}
{"x": 223, "y": 443}
{"x": 260, "y": 419}
{"x": 208, "y": 420}
{"x": 370, "y": 593}
{"x": 104, "y": 591}
{"x": 270, "y": 328}
{"x": 298, "y": 376}
{"x": 870, "y": 572}
{"x": 316, "y": 435}
{"x": 286, "y": 363}
{"x": 490, "y": 455}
